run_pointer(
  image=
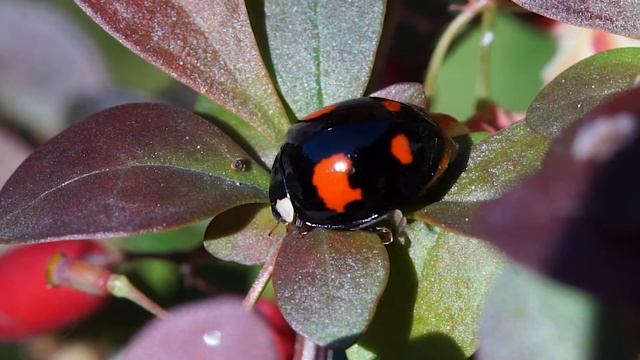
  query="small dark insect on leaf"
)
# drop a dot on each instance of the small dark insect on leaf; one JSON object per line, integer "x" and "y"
{"x": 239, "y": 165}
{"x": 126, "y": 170}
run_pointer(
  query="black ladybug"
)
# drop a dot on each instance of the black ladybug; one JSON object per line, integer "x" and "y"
{"x": 352, "y": 164}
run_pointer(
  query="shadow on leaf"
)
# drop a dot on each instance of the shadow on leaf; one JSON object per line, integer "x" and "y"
{"x": 434, "y": 346}
{"x": 205, "y": 105}
{"x": 616, "y": 334}
{"x": 391, "y": 325}
{"x": 232, "y": 221}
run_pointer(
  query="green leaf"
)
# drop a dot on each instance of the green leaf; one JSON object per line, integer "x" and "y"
{"x": 406, "y": 92}
{"x": 247, "y": 136}
{"x": 579, "y": 89}
{"x": 158, "y": 275}
{"x": 454, "y": 279}
{"x": 478, "y": 136}
{"x": 328, "y": 283}
{"x": 186, "y": 238}
{"x": 431, "y": 308}
{"x": 518, "y": 55}
{"x": 495, "y": 164}
{"x": 12, "y": 351}
{"x": 207, "y": 45}
{"x": 619, "y": 17}
{"x": 244, "y": 234}
{"x": 322, "y": 50}
{"x": 127, "y": 170}
{"x": 528, "y": 317}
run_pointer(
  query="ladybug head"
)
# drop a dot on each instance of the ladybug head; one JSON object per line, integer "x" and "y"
{"x": 281, "y": 205}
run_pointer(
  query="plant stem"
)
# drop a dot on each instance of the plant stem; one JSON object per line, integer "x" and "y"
{"x": 119, "y": 286}
{"x": 92, "y": 279}
{"x": 261, "y": 280}
{"x": 469, "y": 11}
{"x": 483, "y": 76}
{"x": 305, "y": 349}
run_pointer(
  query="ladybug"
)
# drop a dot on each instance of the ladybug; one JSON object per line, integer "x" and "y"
{"x": 350, "y": 165}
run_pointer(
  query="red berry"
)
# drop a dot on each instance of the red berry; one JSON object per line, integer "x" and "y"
{"x": 284, "y": 336}
{"x": 28, "y": 304}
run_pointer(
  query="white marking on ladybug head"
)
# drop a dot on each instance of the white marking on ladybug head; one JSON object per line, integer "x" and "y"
{"x": 285, "y": 209}
{"x": 603, "y": 137}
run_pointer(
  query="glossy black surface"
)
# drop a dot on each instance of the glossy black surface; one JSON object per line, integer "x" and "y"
{"x": 362, "y": 129}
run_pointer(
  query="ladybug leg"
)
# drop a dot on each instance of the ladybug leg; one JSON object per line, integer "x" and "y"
{"x": 302, "y": 228}
{"x": 386, "y": 234}
{"x": 397, "y": 224}
{"x": 399, "y": 221}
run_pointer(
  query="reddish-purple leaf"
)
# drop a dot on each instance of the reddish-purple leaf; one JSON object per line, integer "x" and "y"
{"x": 129, "y": 169}
{"x": 328, "y": 283}
{"x": 211, "y": 329}
{"x": 209, "y": 45}
{"x": 619, "y": 17}
{"x": 46, "y": 65}
{"x": 577, "y": 219}
{"x": 406, "y": 92}
{"x": 244, "y": 234}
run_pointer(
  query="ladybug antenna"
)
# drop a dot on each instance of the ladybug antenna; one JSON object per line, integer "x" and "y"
{"x": 274, "y": 228}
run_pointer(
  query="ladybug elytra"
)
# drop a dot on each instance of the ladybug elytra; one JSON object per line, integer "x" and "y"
{"x": 352, "y": 164}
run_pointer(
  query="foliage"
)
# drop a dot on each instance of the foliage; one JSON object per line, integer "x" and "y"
{"x": 553, "y": 191}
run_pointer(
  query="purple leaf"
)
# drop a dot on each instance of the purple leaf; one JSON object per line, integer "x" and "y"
{"x": 126, "y": 170}
{"x": 208, "y": 45}
{"x": 577, "y": 219}
{"x": 211, "y": 329}
{"x": 406, "y": 92}
{"x": 244, "y": 234}
{"x": 619, "y": 17}
{"x": 328, "y": 283}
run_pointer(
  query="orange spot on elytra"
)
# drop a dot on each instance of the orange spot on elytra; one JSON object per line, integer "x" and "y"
{"x": 318, "y": 113}
{"x": 401, "y": 150}
{"x": 392, "y": 106}
{"x": 331, "y": 179}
